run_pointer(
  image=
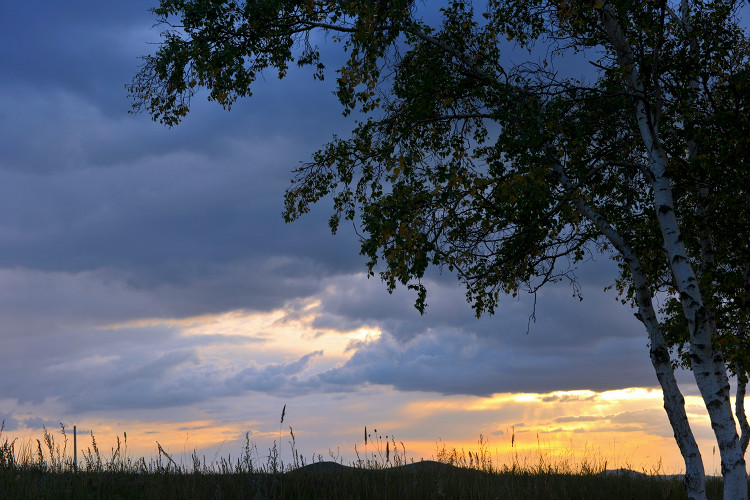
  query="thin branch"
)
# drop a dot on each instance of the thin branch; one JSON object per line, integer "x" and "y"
{"x": 643, "y": 169}
{"x": 463, "y": 58}
{"x": 333, "y": 27}
{"x": 467, "y": 116}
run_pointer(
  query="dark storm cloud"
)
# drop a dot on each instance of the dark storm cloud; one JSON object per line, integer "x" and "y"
{"x": 182, "y": 219}
{"x": 76, "y": 44}
{"x": 193, "y": 212}
{"x": 65, "y": 103}
{"x": 34, "y": 303}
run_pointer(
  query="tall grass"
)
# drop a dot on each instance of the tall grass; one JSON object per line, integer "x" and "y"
{"x": 44, "y": 468}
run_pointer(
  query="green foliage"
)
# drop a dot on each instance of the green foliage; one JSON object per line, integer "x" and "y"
{"x": 458, "y": 157}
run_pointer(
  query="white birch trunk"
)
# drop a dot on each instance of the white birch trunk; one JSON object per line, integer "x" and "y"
{"x": 739, "y": 408}
{"x": 674, "y": 402}
{"x": 741, "y": 368}
{"x": 707, "y": 365}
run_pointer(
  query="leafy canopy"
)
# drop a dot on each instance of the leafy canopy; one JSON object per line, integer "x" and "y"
{"x": 464, "y": 159}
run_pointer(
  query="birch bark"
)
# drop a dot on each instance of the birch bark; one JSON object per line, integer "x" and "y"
{"x": 674, "y": 402}
{"x": 707, "y": 364}
{"x": 741, "y": 367}
{"x": 739, "y": 408}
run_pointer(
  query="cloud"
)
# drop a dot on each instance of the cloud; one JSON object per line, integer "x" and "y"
{"x": 146, "y": 364}
{"x": 193, "y": 216}
{"x": 562, "y": 321}
{"x": 8, "y": 422}
{"x": 580, "y": 418}
{"x": 56, "y": 327}
{"x": 39, "y": 423}
{"x": 567, "y": 398}
{"x": 275, "y": 378}
{"x": 460, "y": 362}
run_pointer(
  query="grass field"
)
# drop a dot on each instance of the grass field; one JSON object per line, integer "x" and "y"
{"x": 44, "y": 468}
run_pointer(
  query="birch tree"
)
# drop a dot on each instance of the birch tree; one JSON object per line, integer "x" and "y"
{"x": 475, "y": 150}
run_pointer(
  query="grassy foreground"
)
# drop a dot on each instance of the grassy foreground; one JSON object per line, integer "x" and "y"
{"x": 45, "y": 470}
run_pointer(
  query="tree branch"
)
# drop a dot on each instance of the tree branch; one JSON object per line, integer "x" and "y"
{"x": 739, "y": 406}
{"x": 463, "y": 58}
{"x": 467, "y": 116}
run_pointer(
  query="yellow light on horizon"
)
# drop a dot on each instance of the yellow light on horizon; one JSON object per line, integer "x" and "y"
{"x": 631, "y": 393}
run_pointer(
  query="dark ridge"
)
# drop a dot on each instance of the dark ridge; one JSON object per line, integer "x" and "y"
{"x": 422, "y": 465}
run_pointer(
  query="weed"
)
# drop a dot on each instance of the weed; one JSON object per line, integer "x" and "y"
{"x": 382, "y": 471}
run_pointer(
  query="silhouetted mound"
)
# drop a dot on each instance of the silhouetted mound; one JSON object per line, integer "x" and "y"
{"x": 431, "y": 466}
{"x": 625, "y": 472}
{"x": 317, "y": 467}
{"x": 414, "y": 467}
{"x": 633, "y": 474}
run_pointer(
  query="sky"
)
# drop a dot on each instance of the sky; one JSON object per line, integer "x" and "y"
{"x": 149, "y": 286}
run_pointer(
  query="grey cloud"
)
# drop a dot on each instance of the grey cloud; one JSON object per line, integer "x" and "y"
{"x": 562, "y": 322}
{"x": 130, "y": 368}
{"x": 8, "y": 422}
{"x": 596, "y": 343}
{"x": 157, "y": 368}
{"x": 34, "y": 303}
{"x": 179, "y": 382}
{"x": 61, "y": 43}
{"x": 89, "y": 368}
{"x": 457, "y": 362}
{"x": 184, "y": 221}
{"x": 443, "y": 360}
{"x": 655, "y": 421}
{"x": 38, "y": 423}
{"x": 279, "y": 378}
{"x": 87, "y": 187}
